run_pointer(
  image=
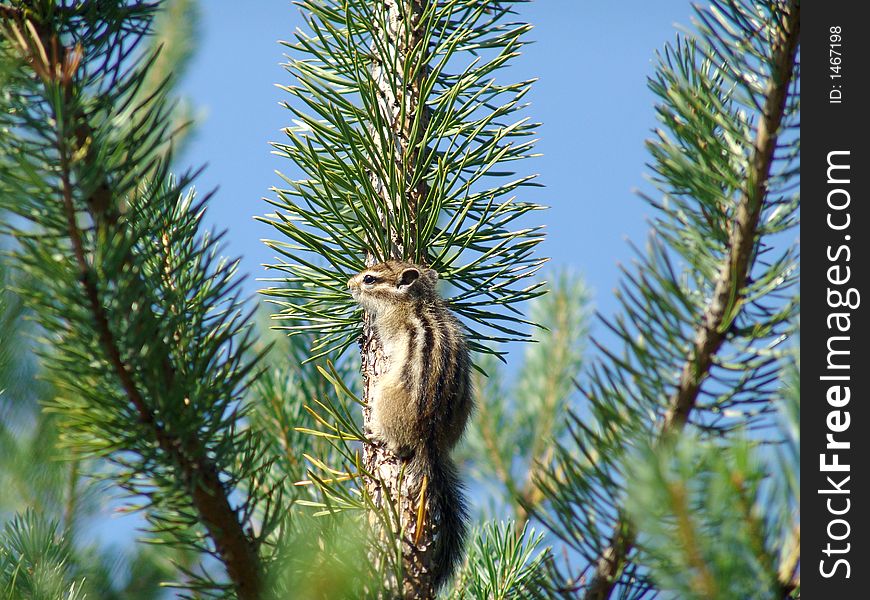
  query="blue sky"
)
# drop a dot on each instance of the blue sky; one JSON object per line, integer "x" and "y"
{"x": 592, "y": 59}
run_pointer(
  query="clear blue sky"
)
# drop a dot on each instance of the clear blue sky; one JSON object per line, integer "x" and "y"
{"x": 592, "y": 59}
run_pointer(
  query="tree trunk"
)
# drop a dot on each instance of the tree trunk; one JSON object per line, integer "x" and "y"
{"x": 393, "y": 492}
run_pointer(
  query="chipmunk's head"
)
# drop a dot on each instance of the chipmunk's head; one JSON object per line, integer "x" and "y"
{"x": 387, "y": 285}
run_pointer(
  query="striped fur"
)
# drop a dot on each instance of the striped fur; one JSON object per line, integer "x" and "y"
{"x": 422, "y": 402}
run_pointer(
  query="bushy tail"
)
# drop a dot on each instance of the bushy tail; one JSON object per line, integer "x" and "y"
{"x": 447, "y": 509}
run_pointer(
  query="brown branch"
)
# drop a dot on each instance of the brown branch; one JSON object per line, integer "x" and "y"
{"x": 199, "y": 475}
{"x": 398, "y": 28}
{"x": 727, "y": 297}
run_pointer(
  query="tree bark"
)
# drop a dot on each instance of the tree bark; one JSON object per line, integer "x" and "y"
{"x": 399, "y": 37}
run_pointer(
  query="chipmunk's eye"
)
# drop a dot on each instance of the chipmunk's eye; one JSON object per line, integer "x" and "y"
{"x": 369, "y": 279}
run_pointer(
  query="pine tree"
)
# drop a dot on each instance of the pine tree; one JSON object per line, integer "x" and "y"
{"x": 674, "y": 472}
{"x": 662, "y": 485}
{"x": 402, "y": 132}
{"x": 146, "y": 344}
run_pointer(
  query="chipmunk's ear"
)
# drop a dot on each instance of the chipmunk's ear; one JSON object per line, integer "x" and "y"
{"x": 432, "y": 275}
{"x": 408, "y": 276}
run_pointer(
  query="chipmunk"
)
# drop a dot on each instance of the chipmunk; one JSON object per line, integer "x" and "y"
{"x": 422, "y": 402}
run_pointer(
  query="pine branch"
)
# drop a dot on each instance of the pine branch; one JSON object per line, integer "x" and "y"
{"x": 713, "y": 89}
{"x": 733, "y": 277}
{"x": 788, "y": 489}
{"x": 717, "y": 517}
{"x": 544, "y": 389}
{"x": 403, "y": 157}
{"x": 199, "y": 474}
{"x": 698, "y": 505}
{"x": 401, "y": 161}
{"x": 730, "y": 284}
{"x": 115, "y": 291}
{"x": 503, "y": 563}
{"x": 176, "y": 32}
{"x": 36, "y": 561}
